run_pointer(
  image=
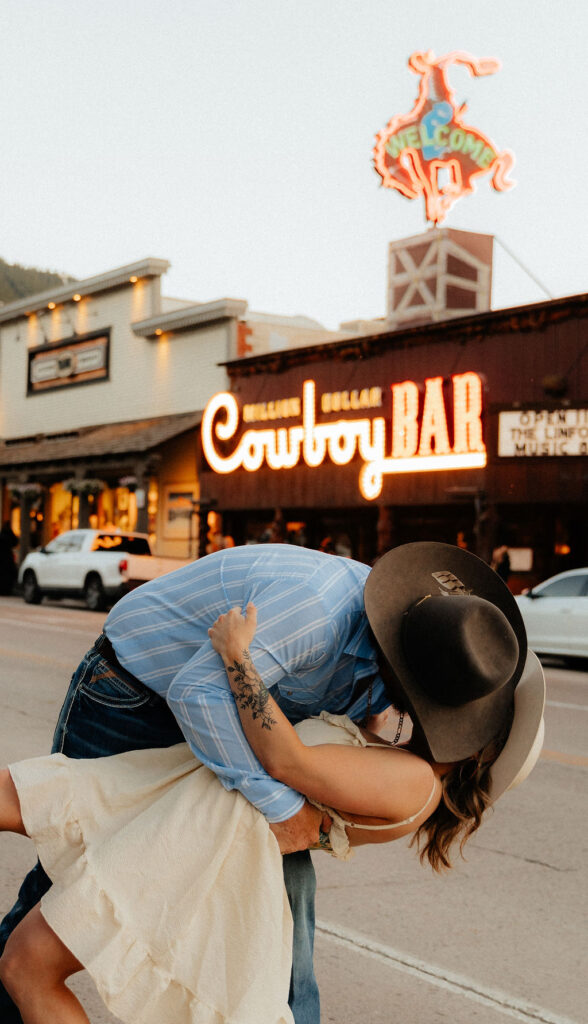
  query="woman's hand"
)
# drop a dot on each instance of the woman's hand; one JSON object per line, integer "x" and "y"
{"x": 232, "y": 633}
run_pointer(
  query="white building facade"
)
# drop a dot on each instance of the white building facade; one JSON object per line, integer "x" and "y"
{"x": 102, "y": 385}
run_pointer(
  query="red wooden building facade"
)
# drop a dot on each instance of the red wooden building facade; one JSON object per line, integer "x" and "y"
{"x": 482, "y": 438}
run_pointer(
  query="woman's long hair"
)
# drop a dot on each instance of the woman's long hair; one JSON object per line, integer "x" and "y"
{"x": 464, "y": 799}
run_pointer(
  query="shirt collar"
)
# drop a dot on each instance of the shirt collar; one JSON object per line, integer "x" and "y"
{"x": 361, "y": 645}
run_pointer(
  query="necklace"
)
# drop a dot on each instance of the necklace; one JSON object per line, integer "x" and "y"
{"x": 399, "y": 729}
{"x": 368, "y": 713}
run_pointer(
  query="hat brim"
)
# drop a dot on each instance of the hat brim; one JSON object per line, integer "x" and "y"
{"x": 401, "y": 578}
{"x": 525, "y": 739}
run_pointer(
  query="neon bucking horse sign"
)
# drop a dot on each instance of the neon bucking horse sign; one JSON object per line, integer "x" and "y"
{"x": 431, "y": 152}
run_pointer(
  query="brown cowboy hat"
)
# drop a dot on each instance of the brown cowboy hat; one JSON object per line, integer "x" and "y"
{"x": 525, "y": 739}
{"x": 452, "y": 633}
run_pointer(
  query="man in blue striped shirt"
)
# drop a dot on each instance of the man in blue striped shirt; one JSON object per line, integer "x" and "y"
{"x": 314, "y": 651}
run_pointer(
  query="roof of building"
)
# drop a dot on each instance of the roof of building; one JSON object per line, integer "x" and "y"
{"x": 308, "y": 323}
{"x": 149, "y": 267}
{"x": 107, "y": 439}
{"x": 196, "y": 315}
{"x": 516, "y": 320}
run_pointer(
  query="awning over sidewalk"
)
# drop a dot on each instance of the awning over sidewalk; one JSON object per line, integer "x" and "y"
{"x": 109, "y": 439}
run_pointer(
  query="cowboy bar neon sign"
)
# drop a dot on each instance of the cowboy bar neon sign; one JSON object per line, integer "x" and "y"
{"x": 419, "y": 438}
{"x": 416, "y": 151}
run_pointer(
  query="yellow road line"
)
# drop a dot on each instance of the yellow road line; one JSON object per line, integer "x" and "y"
{"x": 15, "y": 652}
{"x": 555, "y": 755}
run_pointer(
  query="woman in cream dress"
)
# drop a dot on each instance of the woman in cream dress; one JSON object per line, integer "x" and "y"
{"x": 169, "y": 889}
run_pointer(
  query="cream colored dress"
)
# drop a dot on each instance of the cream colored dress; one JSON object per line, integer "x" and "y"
{"x": 168, "y": 888}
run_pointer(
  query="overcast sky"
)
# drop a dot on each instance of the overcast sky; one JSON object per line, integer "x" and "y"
{"x": 234, "y": 138}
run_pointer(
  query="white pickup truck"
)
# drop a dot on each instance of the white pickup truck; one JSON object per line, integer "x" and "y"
{"x": 96, "y": 565}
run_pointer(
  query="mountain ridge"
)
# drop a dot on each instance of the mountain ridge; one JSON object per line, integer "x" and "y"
{"x": 17, "y": 281}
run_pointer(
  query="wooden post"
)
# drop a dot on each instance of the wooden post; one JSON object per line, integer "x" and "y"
{"x": 25, "y": 526}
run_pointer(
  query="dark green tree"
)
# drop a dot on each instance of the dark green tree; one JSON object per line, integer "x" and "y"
{"x": 16, "y": 282}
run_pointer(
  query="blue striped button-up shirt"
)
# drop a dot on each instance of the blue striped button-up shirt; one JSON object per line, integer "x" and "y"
{"x": 313, "y": 650}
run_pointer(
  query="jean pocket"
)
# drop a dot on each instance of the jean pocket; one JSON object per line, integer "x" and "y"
{"x": 111, "y": 687}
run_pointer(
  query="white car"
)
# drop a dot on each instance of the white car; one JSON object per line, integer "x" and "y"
{"x": 90, "y": 564}
{"x": 555, "y": 614}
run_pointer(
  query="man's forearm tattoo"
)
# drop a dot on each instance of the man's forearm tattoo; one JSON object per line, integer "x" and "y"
{"x": 249, "y": 690}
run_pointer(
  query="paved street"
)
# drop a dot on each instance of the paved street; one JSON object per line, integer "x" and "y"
{"x": 500, "y": 938}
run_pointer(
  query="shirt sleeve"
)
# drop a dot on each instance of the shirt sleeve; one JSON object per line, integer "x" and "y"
{"x": 201, "y": 700}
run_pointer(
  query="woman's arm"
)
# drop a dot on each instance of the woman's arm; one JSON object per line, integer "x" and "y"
{"x": 370, "y": 782}
{"x": 268, "y": 731}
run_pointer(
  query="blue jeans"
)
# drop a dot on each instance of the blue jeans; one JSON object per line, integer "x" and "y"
{"x": 107, "y": 712}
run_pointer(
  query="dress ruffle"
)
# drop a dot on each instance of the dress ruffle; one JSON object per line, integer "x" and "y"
{"x": 167, "y": 887}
